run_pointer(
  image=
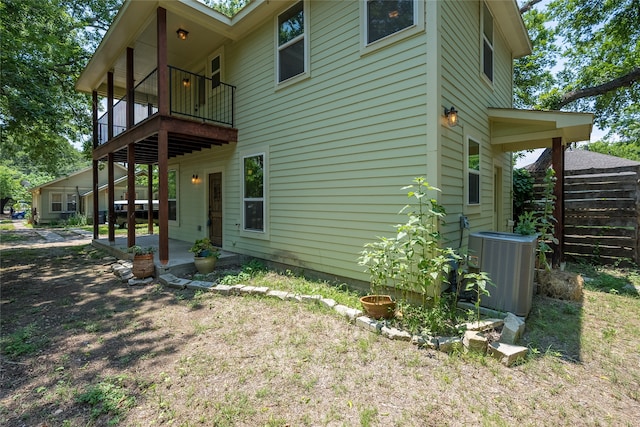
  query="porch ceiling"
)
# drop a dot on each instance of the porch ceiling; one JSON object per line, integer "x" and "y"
{"x": 516, "y": 130}
{"x": 185, "y": 136}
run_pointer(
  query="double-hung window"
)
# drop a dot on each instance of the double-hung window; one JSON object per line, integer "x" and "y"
{"x": 253, "y": 193}
{"x": 56, "y": 202}
{"x": 386, "y": 17}
{"x": 473, "y": 172}
{"x": 292, "y": 43}
{"x": 487, "y": 42}
{"x": 71, "y": 202}
{"x": 172, "y": 179}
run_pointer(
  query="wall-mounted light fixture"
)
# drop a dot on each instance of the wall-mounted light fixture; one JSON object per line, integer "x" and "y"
{"x": 452, "y": 116}
{"x": 194, "y": 178}
{"x": 186, "y": 82}
{"x": 182, "y": 34}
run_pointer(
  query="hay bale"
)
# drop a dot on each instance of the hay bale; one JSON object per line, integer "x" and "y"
{"x": 560, "y": 284}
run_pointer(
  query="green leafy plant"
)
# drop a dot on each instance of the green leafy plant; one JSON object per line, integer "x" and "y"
{"x": 204, "y": 248}
{"x": 139, "y": 250}
{"x": 522, "y": 190}
{"x": 412, "y": 261}
{"x": 478, "y": 283}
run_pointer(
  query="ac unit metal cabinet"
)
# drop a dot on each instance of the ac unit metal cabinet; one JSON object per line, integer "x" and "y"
{"x": 509, "y": 259}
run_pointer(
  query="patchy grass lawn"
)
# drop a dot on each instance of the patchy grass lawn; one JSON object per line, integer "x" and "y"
{"x": 80, "y": 348}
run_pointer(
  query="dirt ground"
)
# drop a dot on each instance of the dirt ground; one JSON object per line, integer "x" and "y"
{"x": 99, "y": 352}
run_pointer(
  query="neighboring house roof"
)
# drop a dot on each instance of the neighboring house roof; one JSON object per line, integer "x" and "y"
{"x": 581, "y": 160}
{"x": 71, "y": 175}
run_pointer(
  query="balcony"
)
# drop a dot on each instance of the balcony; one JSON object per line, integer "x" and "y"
{"x": 201, "y": 109}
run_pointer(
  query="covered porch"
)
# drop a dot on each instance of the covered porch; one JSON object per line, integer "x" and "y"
{"x": 180, "y": 259}
{"x": 517, "y": 130}
{"x": 155, "y": 110}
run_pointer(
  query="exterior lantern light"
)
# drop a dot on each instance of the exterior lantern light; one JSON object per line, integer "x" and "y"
{"x": 182, "y": 34}
{"x": 452, "y": 116}
{"x": 194, "y": 178}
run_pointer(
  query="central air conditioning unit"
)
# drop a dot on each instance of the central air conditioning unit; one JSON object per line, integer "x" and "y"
{"x": 509, "y": 259}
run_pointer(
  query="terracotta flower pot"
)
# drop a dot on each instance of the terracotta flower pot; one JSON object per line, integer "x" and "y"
{"x": 378, "y": 306}
{"x": 143, "y": 266}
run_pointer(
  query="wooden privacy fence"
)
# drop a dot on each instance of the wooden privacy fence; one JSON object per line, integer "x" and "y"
{"x": 601, "y": 214}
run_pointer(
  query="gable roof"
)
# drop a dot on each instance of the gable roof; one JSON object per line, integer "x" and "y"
{"x": 74, "y": 174}
{"x": 579, "y": 159}
{"x": 135, "y": 26}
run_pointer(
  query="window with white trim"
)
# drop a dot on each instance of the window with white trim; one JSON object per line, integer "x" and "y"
{"x": 56, "y": 202}
{"x": 473, "y": 172}
{"x": 292, "y": 44}
{"x": 253, "y": 203}
{"x": 487, "y": 42}
{"x": 386, "y": 17}
{"x": 216, "y": 71}
{"x": 71, "y": 203}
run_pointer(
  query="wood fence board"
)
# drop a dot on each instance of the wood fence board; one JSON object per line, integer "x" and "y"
{"x": 601, "y": 213}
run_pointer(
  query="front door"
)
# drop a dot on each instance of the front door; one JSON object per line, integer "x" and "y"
{"x": 215, "y": 208}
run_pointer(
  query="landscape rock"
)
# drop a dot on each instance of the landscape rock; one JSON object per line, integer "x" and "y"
{"x": 368, "y": 323}
{"x": 395, "y": 334}
{"x": 173, "y": 281}
{"x": 474, "y": 341}
{"x": 507, "y": 354}
{"x": 328, "y": 302}
{"x": 512, "y": 330}
{"x": 483, "y": 325}
{"x": 222, "y": 289}
{"x": 199, "y": 285}
{"x": 136, "y": 282}
{"x": 449, "y": 344}
{"x": 348, "y": 312}
{"x": 277, "y": 294}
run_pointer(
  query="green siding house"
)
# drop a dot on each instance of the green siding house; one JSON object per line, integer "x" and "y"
{"x": 286, "y": 132}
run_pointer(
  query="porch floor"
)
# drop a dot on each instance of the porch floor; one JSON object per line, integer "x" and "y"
{"x": 180, "y": 259}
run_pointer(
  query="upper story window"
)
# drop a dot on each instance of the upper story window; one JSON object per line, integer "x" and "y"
{"x": 473, "y": 172}
{"x": 386, "y": 17}
{"x": 487, "y": 42}
{"x": 292, "y": 42}
{"x": 215, "y": 71}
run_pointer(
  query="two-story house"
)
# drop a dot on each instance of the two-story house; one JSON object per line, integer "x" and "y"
{"x": 287, "y": 131}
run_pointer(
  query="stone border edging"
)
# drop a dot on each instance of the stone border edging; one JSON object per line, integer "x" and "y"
{"x": 473, "y": 339}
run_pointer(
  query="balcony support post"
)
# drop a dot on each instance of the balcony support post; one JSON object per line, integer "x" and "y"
{"x": 110, "y": 171}
{"x": 557, "y": 160}
{"x": 150, "y": 198}
{"x": 130, "y": 89}
{"x": 94, "y": 163}
{"x": 131, "y": 195}
{"x": 163, "y": 137}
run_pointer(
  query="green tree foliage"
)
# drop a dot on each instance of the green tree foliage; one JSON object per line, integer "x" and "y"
{"x": 227, "y": 7}
{"x": 596, "y": 45}
{"x": 45, "y": 45}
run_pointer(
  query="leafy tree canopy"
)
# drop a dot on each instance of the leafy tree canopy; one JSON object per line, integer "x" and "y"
{"x": 45, "y": 45}
{"x": 595, "y": 45}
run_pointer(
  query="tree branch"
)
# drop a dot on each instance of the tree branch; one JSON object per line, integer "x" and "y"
{"x": 528, "y": 6}
{"x": 622, "y": 81}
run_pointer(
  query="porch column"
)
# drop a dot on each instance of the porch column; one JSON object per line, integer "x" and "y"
{"x": 94, "y": 185}
{"x": 557, "y": 159}
{"x": 163, "y": 137}
{"x": 131, "y": 195}
{"x": 163, "y": 71}
{"x": 131, "y": 156}
{"x": 110, "y": 172}
{"x": 163, "y": 195}
{"x": 150, "y": 198}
